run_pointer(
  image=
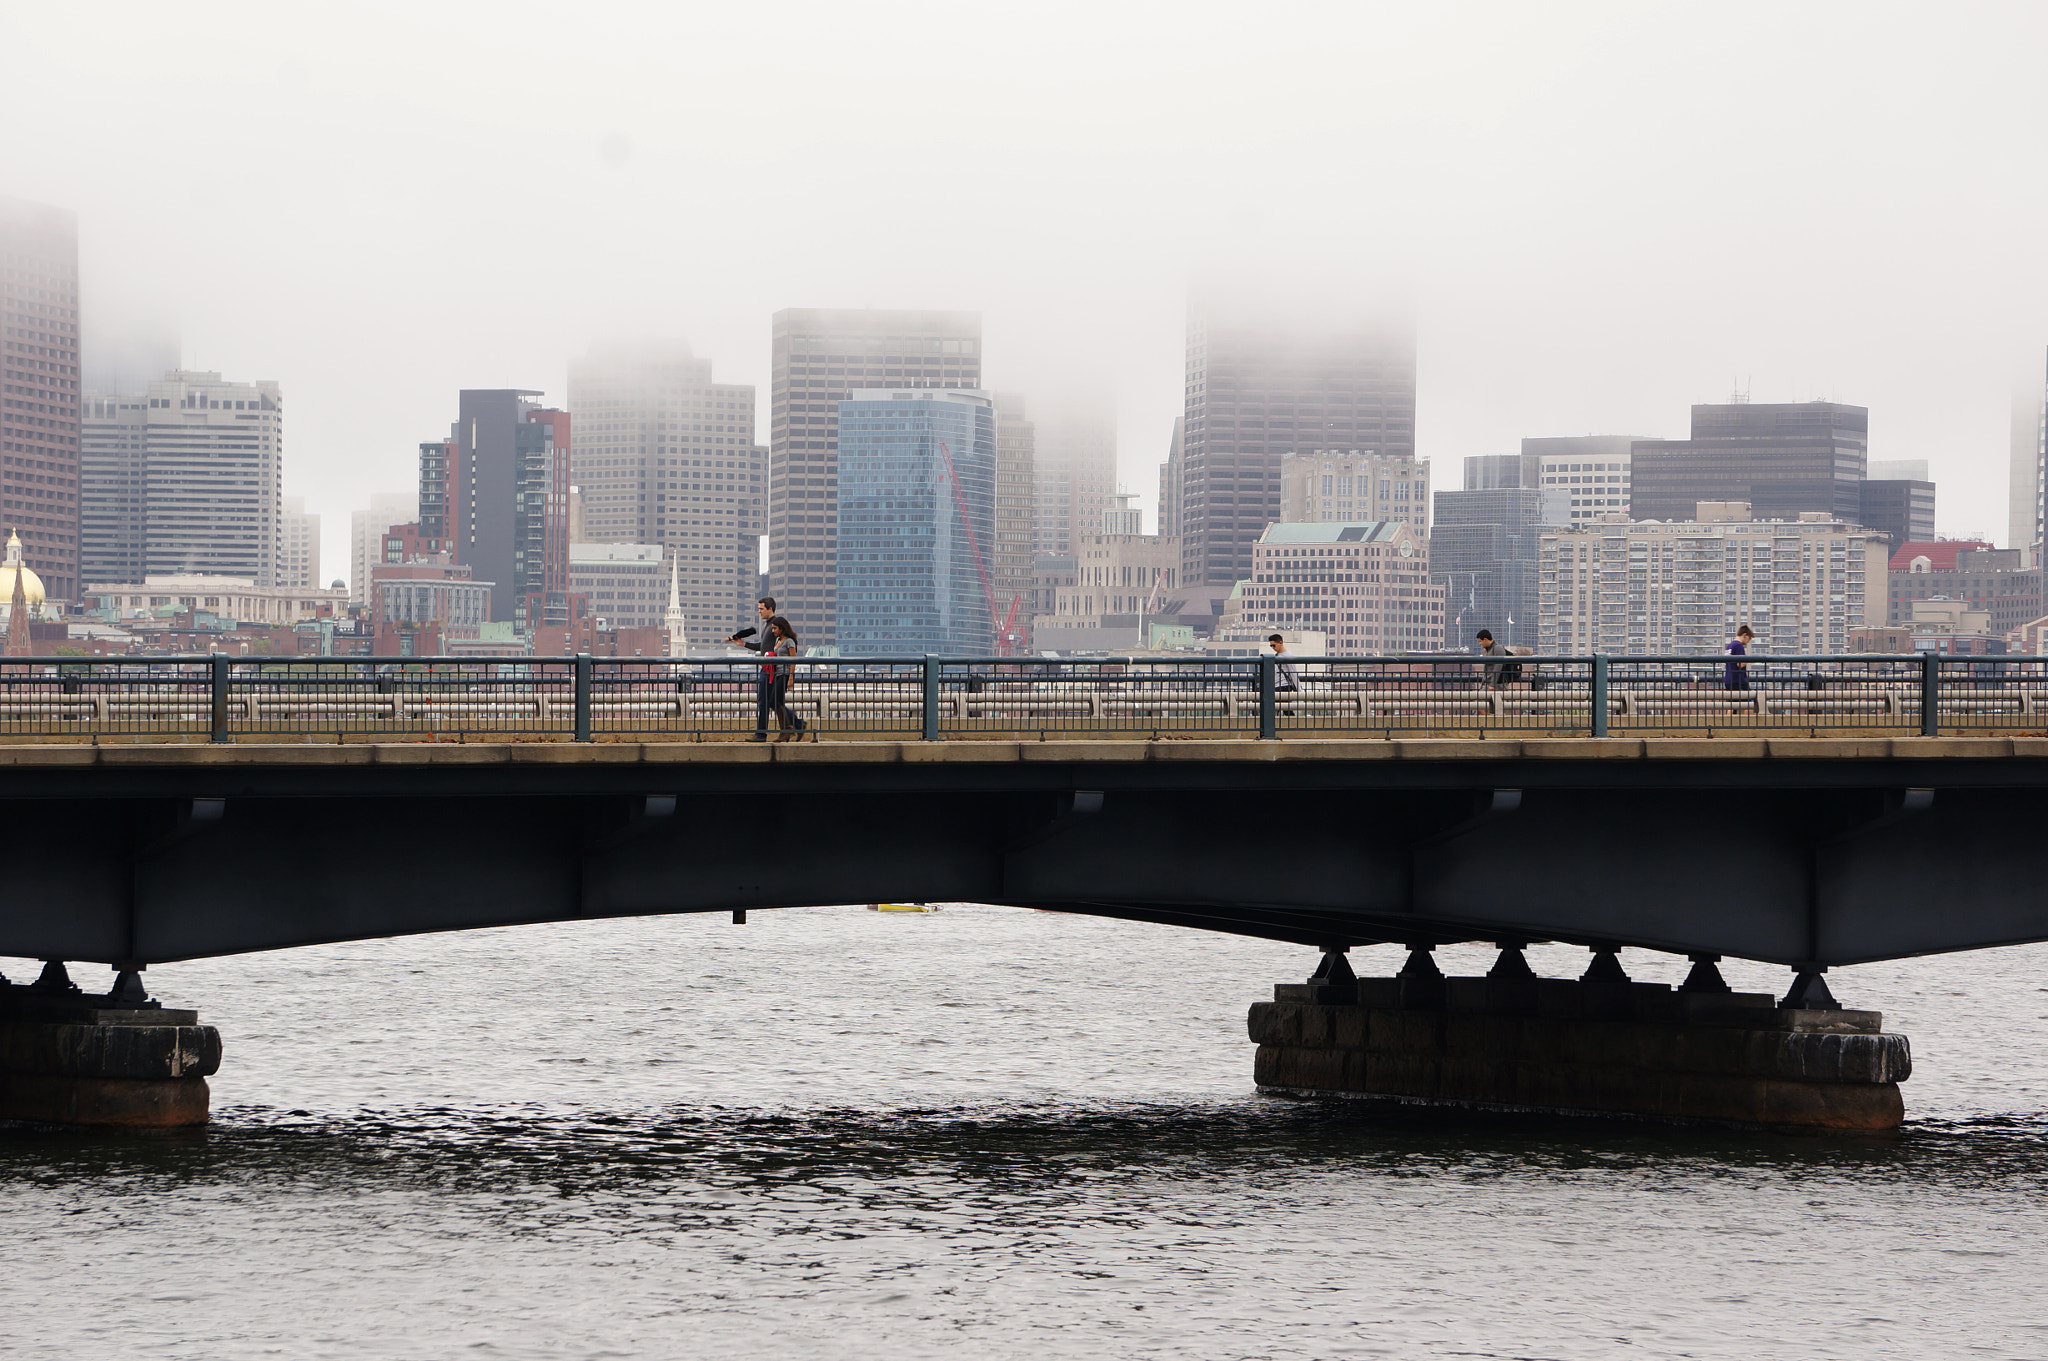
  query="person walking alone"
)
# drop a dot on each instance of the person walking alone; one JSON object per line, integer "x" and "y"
{"x": 759, "y": 640}
{"x": 782, "y": 675}
{"x": 1735, "y": 676}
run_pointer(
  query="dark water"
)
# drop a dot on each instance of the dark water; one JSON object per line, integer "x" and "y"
{"x": 983, "y": 1133}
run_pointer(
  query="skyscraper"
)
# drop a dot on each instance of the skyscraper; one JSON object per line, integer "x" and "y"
{"x": 1483, "y": 551}
{"x": 1010, "y": 559}
{"x": 666, "y": 454}
{"x": 1169, "y": 481}
{"x": 2027, "y": 485}
{"x": 819, "y": 357}
{"x": 1785, "y": 460}
{"x": 39, "y": 362}
{"x": 1901, "y": 509}
{"x": 1260, "y": 386}
{"x": 915, "y": 510}
{"x": 113, "y": 436}
{"x": 298, "y": 545}
{"x": 1075, "y": 471}
{"x": 186, "y": 477}
{"x": 495, "y": 496}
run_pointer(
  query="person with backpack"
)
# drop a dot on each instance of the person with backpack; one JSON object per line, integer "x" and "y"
{"x": 1498, "y": 674}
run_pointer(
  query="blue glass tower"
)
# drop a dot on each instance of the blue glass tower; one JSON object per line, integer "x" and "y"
{"x": 917, "y": 507}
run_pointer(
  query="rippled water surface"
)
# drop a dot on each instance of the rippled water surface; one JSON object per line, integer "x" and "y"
{"x": 983, "y": 1133}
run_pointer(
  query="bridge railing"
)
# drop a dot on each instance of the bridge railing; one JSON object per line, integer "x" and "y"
{"x": 592, "y": 699}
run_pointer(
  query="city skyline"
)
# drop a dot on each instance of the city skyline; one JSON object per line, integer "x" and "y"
{"x": 1572, "y": 269}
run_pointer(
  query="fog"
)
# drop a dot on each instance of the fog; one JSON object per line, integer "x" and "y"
{"x": 1598, "y": 213}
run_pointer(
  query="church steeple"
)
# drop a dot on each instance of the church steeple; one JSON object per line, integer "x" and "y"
{"x": 19, "y": 643}
{"x": 678, "y": 626}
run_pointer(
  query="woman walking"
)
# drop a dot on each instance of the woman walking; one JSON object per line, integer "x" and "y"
{"x": 781, "y": 675}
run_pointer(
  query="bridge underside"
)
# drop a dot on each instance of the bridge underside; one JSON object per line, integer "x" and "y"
{"x": 1795, "y": 859}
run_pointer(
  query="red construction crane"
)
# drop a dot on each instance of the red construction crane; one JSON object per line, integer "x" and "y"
{"x": 1004, "y": 637}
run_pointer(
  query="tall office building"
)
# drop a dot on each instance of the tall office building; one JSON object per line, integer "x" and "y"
{"x": 1010, "y": 560}
{"x": 366, "y": 536}
{"x": 298, "y": 544}
{"x": 1593, "y": 471}
{"x": 1169, "y": 481}
{"x": 1483, "y": 551}
{"x": 1901, "y": 509}
{"x": 113, "y": 433}
{"x": 915, "y": 510}
{"x": 39, "y": 470}
{"x": 1352, "y": 486}
{"x": 665, "y": 454}
{"x": 1257, "y": 388}
{"x": 1785, "y": 460}
{"x": 1076, "y": 471}
{"x": 819, "y": 357}
{"x": 495, "y": 496}
{"x": 2027, "y": 478}
{"x": 186, "y": 478}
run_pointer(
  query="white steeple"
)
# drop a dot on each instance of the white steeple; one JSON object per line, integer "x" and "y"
{"x": 678, "y": 627}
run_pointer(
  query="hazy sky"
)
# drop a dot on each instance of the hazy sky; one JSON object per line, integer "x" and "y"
{"x": 1604, "y": 212}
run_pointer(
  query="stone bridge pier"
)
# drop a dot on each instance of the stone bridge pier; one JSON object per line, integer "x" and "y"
{"x": 1598, "y": 1044}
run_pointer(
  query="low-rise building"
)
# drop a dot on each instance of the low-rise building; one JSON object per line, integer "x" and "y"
{"x": 1683, "y": 587}
{"x": 236, "y": 598}
{"x": 1365, "y": 586}
{"x": 1996, "y": 580}
{"x": 1954, "y": 628}
{"x": 410, "y": 594}
{"x": 626, "y": 583}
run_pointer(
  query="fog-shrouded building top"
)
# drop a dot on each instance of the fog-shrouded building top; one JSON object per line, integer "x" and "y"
{"x": 1784, "y": 459}
{"x": 1260, "y": 385}
{"x": 39, "y": 473}
{"x": 665, "y": 454}
{"x": 915, "y": 509}
{"x": 819, "y": 356}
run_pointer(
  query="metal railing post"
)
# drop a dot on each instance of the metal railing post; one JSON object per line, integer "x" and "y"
{"x": 1599, "y": 694}
{"x": 1269, "y": 698}
{"x": 1930, "y": 694}
{"x": 931, "y": 698}
{"x": 220, "y": 697}
{"x": 583, "y": 671}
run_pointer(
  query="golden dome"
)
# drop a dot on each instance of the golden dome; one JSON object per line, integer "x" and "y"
{"x": 31, "y": 584}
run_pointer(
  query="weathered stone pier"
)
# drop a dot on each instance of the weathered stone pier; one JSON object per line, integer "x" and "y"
{"x": 1599, "y": 1044}
{"x": 69, "y": 1057}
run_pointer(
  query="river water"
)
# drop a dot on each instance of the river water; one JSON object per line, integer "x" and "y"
{"x": 984, "y": 1132}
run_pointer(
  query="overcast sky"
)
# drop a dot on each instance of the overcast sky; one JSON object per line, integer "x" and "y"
{"x": 1603, "y": 212}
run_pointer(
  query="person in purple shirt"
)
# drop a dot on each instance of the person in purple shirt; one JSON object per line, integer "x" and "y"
{"x": 1736, "y": 675}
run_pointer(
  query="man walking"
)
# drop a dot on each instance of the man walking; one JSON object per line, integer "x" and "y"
{"x": 1498, "y": 674}
{"x": 761, "y": 640}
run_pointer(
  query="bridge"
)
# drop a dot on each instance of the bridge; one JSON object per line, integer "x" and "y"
{"x": 1761, "y": 840}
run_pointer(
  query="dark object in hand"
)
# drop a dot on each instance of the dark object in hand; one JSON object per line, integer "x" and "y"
{"x": 743, "y": 633}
